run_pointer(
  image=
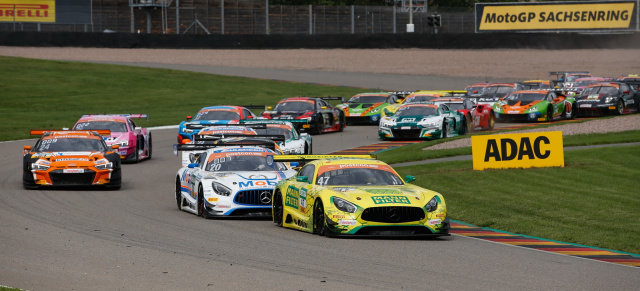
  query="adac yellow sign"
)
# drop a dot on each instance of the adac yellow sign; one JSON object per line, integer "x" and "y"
{"x": 525, "y": 150}
{"x": 559, "y": 16}
{"x": 27, "y": 11}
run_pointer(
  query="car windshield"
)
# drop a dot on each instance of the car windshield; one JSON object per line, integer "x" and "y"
{"x": 275, "y": 130}
{"x": 584, "y": 83}
{"x": 572, "y": 78}
{"x": 368, "y": 99}
{"x": 217, "y": 115}
{"x": 416, "y": 99}
{"x": 474, "y": 90}
{"x": 525, "y": 97}
{"x": 113, "y": 126}
{"x": 416, "y": 110}
{"x": 68, "y": 144}
{"x": 294, "y": 106}
{"x": 600, "y": 90}
{"x": 531, "y": 86}
{"x": 455, "y": 106}
{"x": 242, "y": 161}
{"x": 358, "y": 176}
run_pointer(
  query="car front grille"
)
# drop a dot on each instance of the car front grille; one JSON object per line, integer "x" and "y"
{"x": 254, "y": 197}
{"x": 59, "y": 178}
{"x": 393, "y": 214}
{"x": 514, "y": 117}
{"x": 406, "y": 133}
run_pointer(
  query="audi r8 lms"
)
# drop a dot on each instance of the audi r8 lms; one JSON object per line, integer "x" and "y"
{"x": 614, "y": 98}
{"x": 356, "y": 197}
{"x": 566, "y": 79}
{"x": 534, "y": 105}
{"x": 309, "y": 114}
{"x": 367, "y": 107}
{"x": 224, "y": 181}
{"x": 422, "y": 121}
{"x": 535, "y": 85}
{"x": 212, "y": 115}
{"x": 71, "y": 158}
{"x": 582, "y": 83}
{"x": 477, "y": 116}
{"x": 134, "y": 141}
{"x": 475, "y": 89}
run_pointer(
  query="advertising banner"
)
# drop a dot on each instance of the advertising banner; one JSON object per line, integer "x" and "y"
{"x": 27, "y": 11}
{"x": 523, "y": 150}
{"x": 557, "y": 16}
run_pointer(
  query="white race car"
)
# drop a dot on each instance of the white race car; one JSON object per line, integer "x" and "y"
{"x": 222, "y": 180}
{"x": 294, "y": 143}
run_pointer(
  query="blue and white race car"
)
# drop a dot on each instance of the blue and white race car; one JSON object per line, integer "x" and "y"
{"x": 222, "y": 180}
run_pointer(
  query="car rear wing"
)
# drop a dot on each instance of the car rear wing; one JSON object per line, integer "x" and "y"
{"x": 454, "y": 93}
{"x": 251, "y": 106}
{"x": 45, "y": 131}
{"x": 130, "y": 115}
{"x": 225, "y": 138}
{"x": 331, "y": 98}
{"x": 189, "y": 150}
{"x": 303, "y": 159}
{"x": 253, "y": 123}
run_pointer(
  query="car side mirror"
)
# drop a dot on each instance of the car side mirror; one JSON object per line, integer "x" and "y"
{"x": 192, "y": 165}
{"x": 303, "y": 179}
{"x": 323, "y": 107}
{"x": 409, "y": 178}
{"x": 27, "y": 149}
{"x": 188, "y": 117}
{"x": 138, "y": 129}
{"x": 115, "y": 146}
{"x": 625, "y": 92}
{"x": 294, "y": 165}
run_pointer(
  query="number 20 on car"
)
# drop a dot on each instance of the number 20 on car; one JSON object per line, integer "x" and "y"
{"x": 525, "y": 150}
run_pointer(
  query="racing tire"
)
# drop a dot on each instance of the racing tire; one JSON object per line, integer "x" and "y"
{"x": 149, "y": 151}
{"x": 307, "y": 149}
{"x": 469, "y": 121}
{"x": 277, "y": 209}
{"x": 319, "y": 225}
{"x": 573, "y": 113}
{"x": 200, "y": 202}
{"x": 179, "y": 194}
{"x": 492, "y": 120}
{"x": 619, "y": 107}
{"x": 464, "y": 126}
{"x": 549, "y": 114}
{"x": 319, "y": 124}
{"x": 342, "y": 121}
{"x": 444, "y": 130}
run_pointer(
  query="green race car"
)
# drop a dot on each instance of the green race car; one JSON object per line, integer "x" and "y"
{"x": 365, "y": 108}
{"x": 342, "y": 196}
{"x": 423, "y": 120}
{"x": 534, "y": 105}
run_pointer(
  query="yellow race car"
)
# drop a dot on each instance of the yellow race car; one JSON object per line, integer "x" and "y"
{"x": 355, "y": 196}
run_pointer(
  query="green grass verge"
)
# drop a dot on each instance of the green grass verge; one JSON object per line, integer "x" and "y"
{"x": 415, "y": 152}
{"x": 41, "y": 94}
{"x": 593, "y": 200}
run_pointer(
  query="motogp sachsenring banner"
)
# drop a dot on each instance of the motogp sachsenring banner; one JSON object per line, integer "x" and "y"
{"x": 557, "y": 16}
{"x": 27, "y": 11}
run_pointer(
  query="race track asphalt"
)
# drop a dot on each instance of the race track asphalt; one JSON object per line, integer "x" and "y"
{"x": 137, "y": 239}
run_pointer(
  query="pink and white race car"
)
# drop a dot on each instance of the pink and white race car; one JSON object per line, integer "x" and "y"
{"x": 134, "y": 141}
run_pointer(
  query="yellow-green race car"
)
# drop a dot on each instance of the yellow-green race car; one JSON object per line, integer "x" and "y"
{"x": 356, "y": 196}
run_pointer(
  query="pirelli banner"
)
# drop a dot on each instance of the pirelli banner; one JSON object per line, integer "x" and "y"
{"x": 46, "y": 11}
{"x": 557, "y": 16}
{"x": 525, "y": 150}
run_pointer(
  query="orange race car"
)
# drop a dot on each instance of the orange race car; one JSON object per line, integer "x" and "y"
{"x": 71, "y": 158}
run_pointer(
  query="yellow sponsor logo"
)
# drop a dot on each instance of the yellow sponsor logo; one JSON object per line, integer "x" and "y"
{"x": 28, "y": 11}
{"x": 597, "y": 15}
{"x": 526, "y": 150}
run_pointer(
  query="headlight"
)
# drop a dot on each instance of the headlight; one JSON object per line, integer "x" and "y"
{"x": 221, "y": 189}
{"x": 432, "y": 205}
{"x": 104, "y": 166}
{"x": 375, "y": 110}
{"x": 533, "y": 109}
{"x": 608, "y": 99}
{"x": 427, "y": 124}
{"x": 186, "y": 130}
{"x": 344, "y": 205}
{"x": 124, "y": 143}
{"x": 308, "y": 118}
{"x": 39, "y": 167}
